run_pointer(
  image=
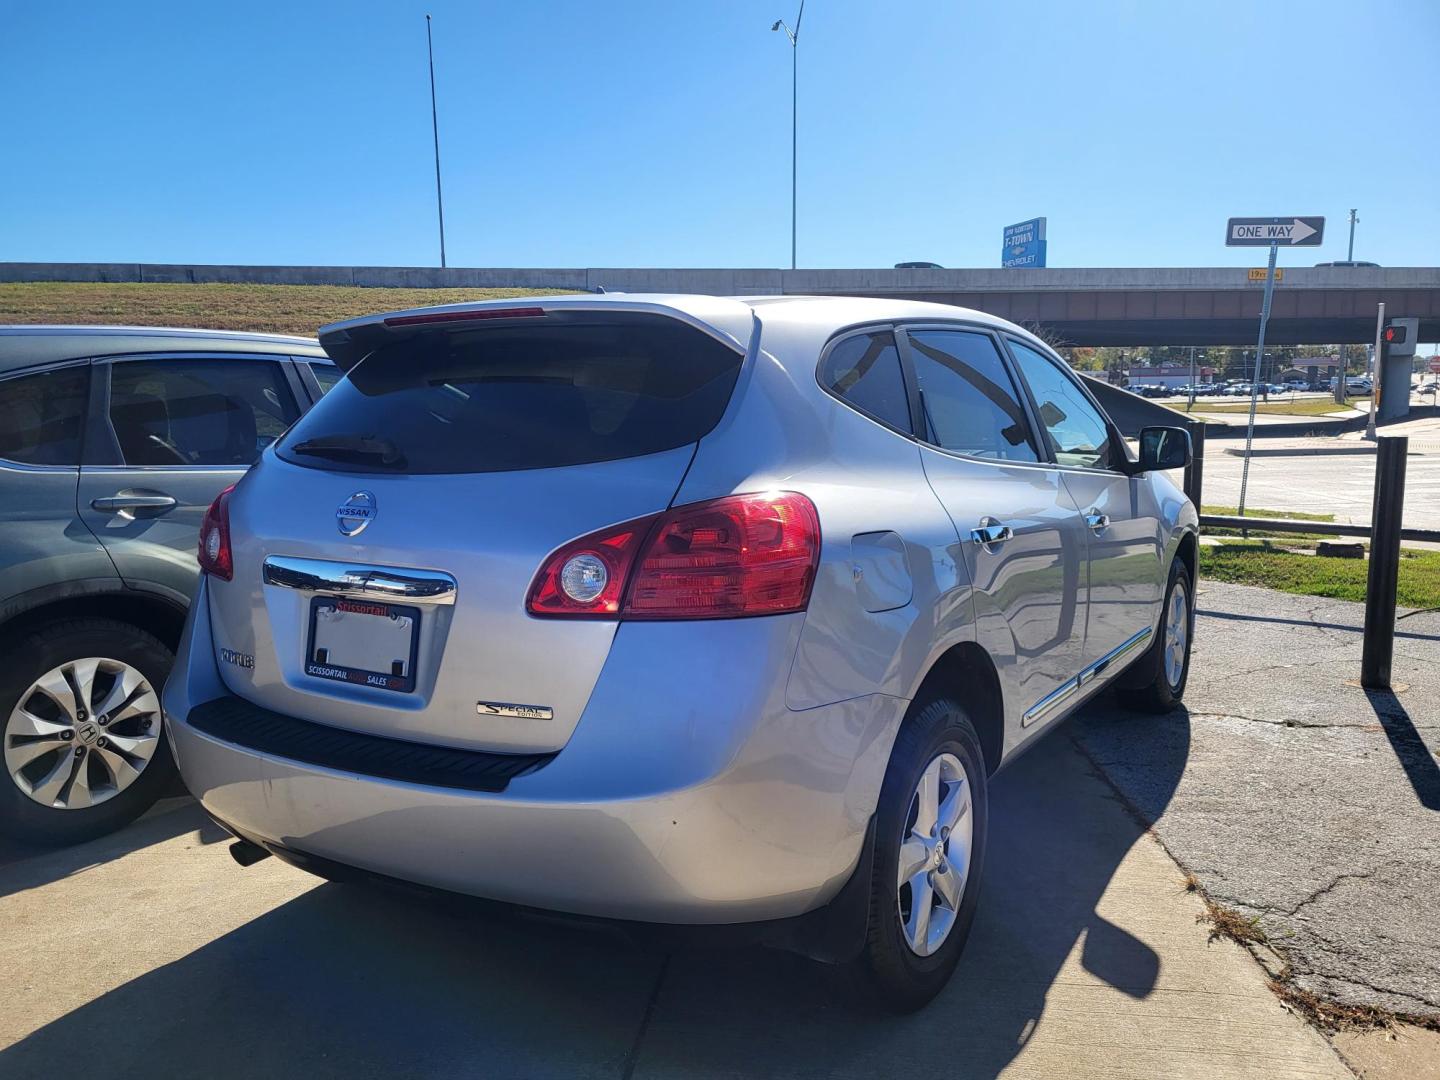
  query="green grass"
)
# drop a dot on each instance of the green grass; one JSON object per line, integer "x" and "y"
{"x": 1303, "y": 407}
{"x": 276, "y": 309}
{"x": 1261, "y": 512}
{"x": 1318, "y": 575}
{"x": 1257, "y": 511}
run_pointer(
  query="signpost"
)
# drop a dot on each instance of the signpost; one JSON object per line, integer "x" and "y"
{"x": 1271, "y": 232}
{"x": 1024, "y": 244}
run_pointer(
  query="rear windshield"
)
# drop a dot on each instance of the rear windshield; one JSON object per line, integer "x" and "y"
{"x": 495, "y": 399}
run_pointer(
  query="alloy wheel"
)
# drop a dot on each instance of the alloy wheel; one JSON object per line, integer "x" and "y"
{"x": 82, "y": 733}
{"x": 935, "y": 848}
{"x": 1177, "y": 634}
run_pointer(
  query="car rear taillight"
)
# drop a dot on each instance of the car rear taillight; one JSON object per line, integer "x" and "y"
{"x": 214, "y": 553}
{"x": 728, "y": 558}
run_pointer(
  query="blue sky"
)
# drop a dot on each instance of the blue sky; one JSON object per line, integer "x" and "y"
{"x": 658, "y": 134}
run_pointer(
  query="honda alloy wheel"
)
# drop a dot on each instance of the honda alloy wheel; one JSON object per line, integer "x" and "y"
{"x": 82, "y": 733}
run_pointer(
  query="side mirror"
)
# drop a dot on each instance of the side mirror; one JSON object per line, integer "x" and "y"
{"x": 1163, "y": 448}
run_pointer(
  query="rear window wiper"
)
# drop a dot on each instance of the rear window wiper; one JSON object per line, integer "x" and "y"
{"x": 358, "y": 448}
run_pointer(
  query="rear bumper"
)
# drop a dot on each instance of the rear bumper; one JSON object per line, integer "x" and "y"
{"x": 693, "y": 800}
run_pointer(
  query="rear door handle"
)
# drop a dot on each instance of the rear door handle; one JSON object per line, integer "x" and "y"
{"x": 1097, "y": 522}
{"x": 134, "y": 504}
{"x": 991, "y": 532}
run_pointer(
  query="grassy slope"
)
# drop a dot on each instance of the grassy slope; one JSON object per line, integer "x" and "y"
{"x": 1315, "y": 575}
{"x": 279, "y": 309}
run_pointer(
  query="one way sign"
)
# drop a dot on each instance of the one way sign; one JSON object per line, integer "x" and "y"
{"x": 1263, "y": 231}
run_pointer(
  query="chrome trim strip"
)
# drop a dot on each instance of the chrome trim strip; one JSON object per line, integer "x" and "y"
{"x": 1049, "y": 701}
{"x": 1108, "y": 660}
{"x": 347, "y": 579}
{"x": 1089, "y": 675}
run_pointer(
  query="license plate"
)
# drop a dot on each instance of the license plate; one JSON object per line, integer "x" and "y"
{"x": 360, "y": 641}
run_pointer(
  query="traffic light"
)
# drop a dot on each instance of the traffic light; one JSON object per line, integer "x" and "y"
{"x": 1395, "y": 334}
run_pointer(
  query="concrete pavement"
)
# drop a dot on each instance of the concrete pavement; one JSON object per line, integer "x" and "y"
{"x": 1302, "y": 801}
{"x": 150, "y": 953}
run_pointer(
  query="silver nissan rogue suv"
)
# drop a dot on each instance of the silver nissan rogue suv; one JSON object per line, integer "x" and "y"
{"x": 678, "y": 609}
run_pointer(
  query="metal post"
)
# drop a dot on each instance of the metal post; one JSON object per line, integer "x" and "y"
{"x": 435, "y": 130}
{"x": 1385, "y": 518}
{"x": 1190, "y": 407}
{"x": 1255, "y": 381}
{"x": 1375, "y": 375}
{"x": 1354, "y": 217}
{"x": 794, "y": 136}
{"x": 1195, "y": 471}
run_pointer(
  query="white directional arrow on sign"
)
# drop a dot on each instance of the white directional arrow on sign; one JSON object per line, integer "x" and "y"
{"x": 1300, "y": 231}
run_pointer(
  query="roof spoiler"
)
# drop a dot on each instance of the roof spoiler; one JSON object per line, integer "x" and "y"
{"x": 349, "y": 342}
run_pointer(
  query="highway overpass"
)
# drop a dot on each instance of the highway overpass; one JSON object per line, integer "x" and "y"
{"x": 1140, "y": 306}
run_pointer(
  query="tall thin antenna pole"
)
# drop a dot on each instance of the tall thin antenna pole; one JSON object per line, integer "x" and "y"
{"x": 435, "y": 129}
{"x": 1354, "y": 217}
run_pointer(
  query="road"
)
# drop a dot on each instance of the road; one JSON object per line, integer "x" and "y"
{"x": 150, "y": 953}
{"x": 1342, "y": 484}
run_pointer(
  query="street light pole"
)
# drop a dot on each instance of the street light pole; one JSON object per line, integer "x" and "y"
{"x": 435, "y": 130}
{"x": 1354, "y": 217}
{"x": 794, "y": 36}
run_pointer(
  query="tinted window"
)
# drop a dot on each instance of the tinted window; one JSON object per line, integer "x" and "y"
{"x": 565, "y": 392}
{"x": 41, "y": 416}
{"x": 1077, "y": 429}
{"x": 968, "y": 400}
{"x": 865, "y": 371}
{"x": 198, "y": 412}
{"x": 327, "y": 375}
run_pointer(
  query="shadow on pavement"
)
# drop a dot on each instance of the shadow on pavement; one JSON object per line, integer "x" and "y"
{"x": 23, "y": 867}
{"x": 1234, "y": 616}
{"x": 1410, "y": 750}
{"x": 346, "y": 980}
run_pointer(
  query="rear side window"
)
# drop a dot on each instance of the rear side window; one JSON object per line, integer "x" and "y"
{"x": 967, "y": 399}
{"x": 864, "y": 371}
{"x": 198, "y": 412}
{"x": 495, "y": 399}
{"x": 41, "y": 416}
{"x": 327, "y": 375}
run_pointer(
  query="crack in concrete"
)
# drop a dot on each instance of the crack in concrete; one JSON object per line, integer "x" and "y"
{"x": 1357, "y": 725}
{"x": 1323, "y": 890}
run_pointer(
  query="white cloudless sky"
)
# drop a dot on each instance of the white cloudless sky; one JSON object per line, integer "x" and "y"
{"x": 649, "y": 133}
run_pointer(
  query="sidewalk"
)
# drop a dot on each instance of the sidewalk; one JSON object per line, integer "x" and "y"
{"x": 1298, "y": 799}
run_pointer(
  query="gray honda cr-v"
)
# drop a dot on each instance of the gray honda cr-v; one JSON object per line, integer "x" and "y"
{"x": 113, "y": 441}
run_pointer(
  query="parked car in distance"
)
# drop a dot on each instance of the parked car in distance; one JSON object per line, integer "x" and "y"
{"x": 918, "y": 266}
{"x": 735, "y": 604}
{"x": 113, "y": 441}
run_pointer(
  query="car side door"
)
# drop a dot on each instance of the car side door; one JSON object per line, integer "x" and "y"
{"x": 169, "y": 433}
{"x": 1125, "y": 539}
{"x": 45, "y": 551}
{"x": 1021, "y": 536}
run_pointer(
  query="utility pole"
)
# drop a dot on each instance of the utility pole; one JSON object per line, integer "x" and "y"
{"x": 435, "y": 130}
{"x": 794, "y": 36}
{"x": 1354, "y": 217}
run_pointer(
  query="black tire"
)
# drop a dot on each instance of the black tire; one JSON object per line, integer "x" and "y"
{"x": 888, "y": 971}
{"x": 42, "y": 650}
{"x": 1147, "y": 687}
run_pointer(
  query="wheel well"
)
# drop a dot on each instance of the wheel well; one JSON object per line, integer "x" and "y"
{"x": 1189, "y": 552}
{"x": 159, "y": 617}
{"x": 966, "y": 673}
